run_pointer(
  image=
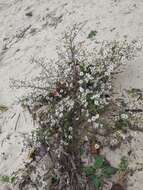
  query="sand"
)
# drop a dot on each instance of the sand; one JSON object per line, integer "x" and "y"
{"x": 24, "y": 35}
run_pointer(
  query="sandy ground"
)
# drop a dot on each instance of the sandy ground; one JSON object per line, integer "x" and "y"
{"x": 31, "y": 29}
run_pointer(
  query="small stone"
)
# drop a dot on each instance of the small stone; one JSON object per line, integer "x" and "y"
{"x": 29, "y": 14}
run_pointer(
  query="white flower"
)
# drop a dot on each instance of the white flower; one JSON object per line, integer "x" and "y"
{"x": 65, "y": 143}
{"x": 92, "y": 97}
{"x": 81, "y": 89}
{"x": 94, "y": 118}
{"x": 56, "y": 113}
{"x": 109, "y": 87}
{"x": 89, "y": 120}
{"x": 87, "y": 114}
{"x": 61, "y": 91}
{"x": 80, "y": 81}
{"x": 60, "y": 115}
{"x": 97, "y": 146}
{"x": 61, "y": 142}
{"x": 97, "y": 96}
{"x": 113, "y": 142}
{"x": 96, "y": 102}
{"x": 88, "y": 76}
{"x": 107, "y": 73}
{"x": 86, "y": 104}
{"x": 124, "y": 116}
{"x": 101, "y": 125}
{"x": 81, "y": 74}
{"x": 70, "y": 128}
{"x": 86, "y": 80}
{"x": 119, "y": 133}
{"x": 61, "y": 108}
{"x": 97, "y": 116}
{"x": 53, "y": 121}
{"x": 86, "y": 138}
{"x": 87, "y": 91}
{"x": 70, "y": 137}
{"x": 123, "y": 136}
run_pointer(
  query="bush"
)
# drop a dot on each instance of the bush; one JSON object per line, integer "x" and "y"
{"x": 67, "y": 103}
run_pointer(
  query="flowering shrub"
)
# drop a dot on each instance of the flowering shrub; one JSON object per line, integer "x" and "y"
{"x": 68, "y": 103}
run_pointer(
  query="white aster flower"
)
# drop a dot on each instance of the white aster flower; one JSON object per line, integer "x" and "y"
{"x": 86, "y": 138}
{"x": 119, "y": 133}
{"x": 60, "y": 115}
{"x": 97, "y": 116}
{"x": 89, "y": 120}
{"x": 96, "y": 102}
{"x": 87, "y": 114}
{"x": 70, "y": 128}
{"x": 80, "y": 81}
{"x": 61, "y": 91}
{"x": 88, "y": 76}
{"x": 97, "y": 146}
{"x": 69, "y": 137}
{"x": 61, "y": 142}
{"x": 107, "y": 73}
{"x": 113, "y": 142}
{"x": 81, "y": 74}
{"x": 86, "y": 104}
{"x": 124, "y": 116}
{"x": 87, "y": 91}
{"x": 81, "y": 89}
{"x": 95, "y": 96}
{"x": 65, "y": 143}
{"x": 61, "y": 108}
{"x": 94, "y": 118}
{"x": 123, "y": 136}
{"x": 86, "y": 80}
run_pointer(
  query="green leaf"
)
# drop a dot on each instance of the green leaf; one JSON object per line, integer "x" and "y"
{"x": 5, "y": 179}
{"x": 97, "y": 182}
{"x": 123, "y": 166}
{"x": 99, "y": 162}
{"x": 92, "y": 34}
{"x": 13, "y": 178}
{"x": 89, "y": 170}
{"x": 108, "y": 171}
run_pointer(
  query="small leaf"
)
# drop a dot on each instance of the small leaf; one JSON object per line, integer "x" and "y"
{"x": 108, "y": 171}
{"x": 13, "y": 178}
{"x": 89, "y": 170}
{"x": 97, "y": 182}
{"x": 5, "y": 179}
{"x": 92, "y": 34}
{"x": 99, "y": 162}
{"x": 123, "y": 166}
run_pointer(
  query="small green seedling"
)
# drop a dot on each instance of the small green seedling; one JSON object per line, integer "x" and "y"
{"x": 92, "y": 34}
{"x": 123, "y": 166}
{"x": 7, "y": 179}
{"x": 100, "y": 170}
